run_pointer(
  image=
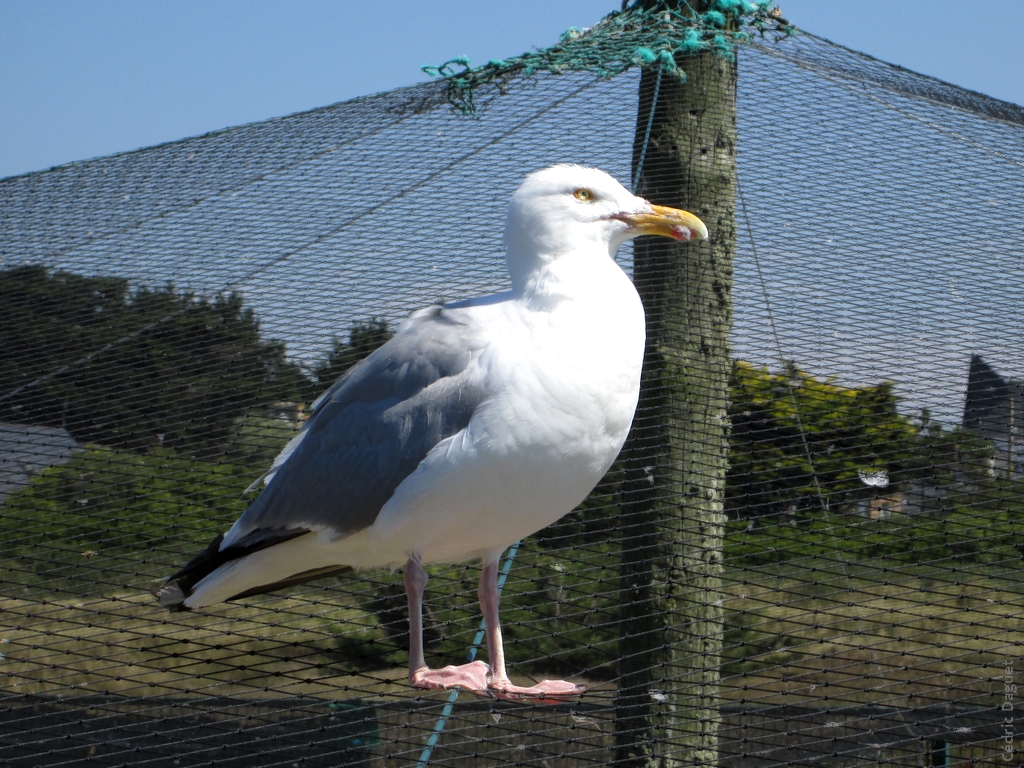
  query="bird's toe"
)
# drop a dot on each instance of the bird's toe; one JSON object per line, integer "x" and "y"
{"x": 544, "y": 692}
{"x": 471, "y": 677}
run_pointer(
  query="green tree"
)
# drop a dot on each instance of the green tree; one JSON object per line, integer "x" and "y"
{"x": 257, "y": 438}
{"x": 799, "y": 442}
{"x": 126, "y": 507}
{"x": 132, "y": 369}
{"x": 944, "y": 468}
{"x": 364, "y": 337}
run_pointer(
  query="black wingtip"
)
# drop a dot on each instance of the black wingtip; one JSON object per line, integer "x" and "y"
{"x": 178, "y": 588}
{"x": 172, "y": 597}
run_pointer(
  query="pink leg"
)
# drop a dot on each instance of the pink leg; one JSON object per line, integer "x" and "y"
{"x": 472, "y": 677}
{"x": 546, "y": 691}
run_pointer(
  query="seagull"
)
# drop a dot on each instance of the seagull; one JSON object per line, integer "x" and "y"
{"x": 478, "y": 423}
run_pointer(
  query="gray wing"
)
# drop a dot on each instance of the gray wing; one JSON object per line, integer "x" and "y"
{"x": 370, "y": 430}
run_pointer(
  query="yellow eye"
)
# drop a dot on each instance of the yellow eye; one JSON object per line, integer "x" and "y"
{"x": 583, "y": 194}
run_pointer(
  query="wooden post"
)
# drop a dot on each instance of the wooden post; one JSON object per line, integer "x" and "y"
{"x": 676, "y": 456}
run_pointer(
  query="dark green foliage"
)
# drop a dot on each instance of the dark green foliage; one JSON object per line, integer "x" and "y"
{"x": 364, "y": 337}
{"x": 562, "y": 610}
{"x": 982, "y": 528}
{"x": 166, "y": 369}
{"x": 568, "y": 617}
{"x": 800, "y": 444}
{"x": 107, "y": 513}
{"x": 256, "y": 439}
{"x": 592, "y": 522}
{"x": 86, "y": 520}
{"x": 939, "y": 479}
{"x": 945, "y": 467}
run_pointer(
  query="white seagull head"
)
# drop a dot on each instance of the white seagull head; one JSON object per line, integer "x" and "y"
{"x": 568, "y": 209}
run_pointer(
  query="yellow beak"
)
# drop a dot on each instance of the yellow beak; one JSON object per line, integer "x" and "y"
{"x": 668, "y": 222}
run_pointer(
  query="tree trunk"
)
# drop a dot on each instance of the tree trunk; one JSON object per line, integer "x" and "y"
{"x": 677, "y": 453}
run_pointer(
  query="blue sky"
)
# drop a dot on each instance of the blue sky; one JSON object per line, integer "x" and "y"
{"x": 82, "y": 79}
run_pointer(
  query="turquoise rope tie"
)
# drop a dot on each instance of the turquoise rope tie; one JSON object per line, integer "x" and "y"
{"x": 634, "y": 37}
{"x": 471, "y": 656}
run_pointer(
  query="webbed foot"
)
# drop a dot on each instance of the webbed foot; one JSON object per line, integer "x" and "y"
{"x": 544, "y": 692}
{"x": 471, "y": 677}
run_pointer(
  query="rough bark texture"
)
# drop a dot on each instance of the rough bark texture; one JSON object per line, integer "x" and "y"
{"x": 677, "y": 453}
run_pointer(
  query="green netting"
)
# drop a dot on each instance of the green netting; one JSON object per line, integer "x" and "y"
{"x": 641, "y": 35}
{"x": 168, "y": 315}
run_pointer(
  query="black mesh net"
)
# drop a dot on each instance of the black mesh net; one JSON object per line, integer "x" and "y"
{"x": 851, "y": 596}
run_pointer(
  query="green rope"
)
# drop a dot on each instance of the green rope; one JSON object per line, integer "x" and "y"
{"x": 633, "y": 37}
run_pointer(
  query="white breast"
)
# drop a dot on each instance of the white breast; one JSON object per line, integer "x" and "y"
{"x": 566, "y": 380}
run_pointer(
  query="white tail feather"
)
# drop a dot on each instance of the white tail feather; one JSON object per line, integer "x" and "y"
{"x": 266, "y": 566}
